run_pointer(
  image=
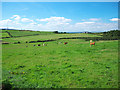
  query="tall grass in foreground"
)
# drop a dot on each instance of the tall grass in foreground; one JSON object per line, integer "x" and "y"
{"x": 74, "y": 65}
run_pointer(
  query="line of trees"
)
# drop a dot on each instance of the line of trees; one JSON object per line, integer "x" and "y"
{"x": 112, "y": 33}
{"x": 109, "y": 35}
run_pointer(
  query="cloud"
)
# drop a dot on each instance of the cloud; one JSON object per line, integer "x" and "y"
{"x": 114, "y": 19}
{"x": 26, "y": 20}
{"x": 16, "y": 17}
{"x": 33, "y": 23}
{"x": 88, "y": 22}
{"x": 94, "y": 19}
{"x": 82, "y": 19}
{"x": 5, "y": 22}
{"x": 57, "y": 23}
{"x": 85, "y": 23}
{"x": 95, "y": 27}
{"x": 55, "y": 19}
{"x": 54, "y": 23}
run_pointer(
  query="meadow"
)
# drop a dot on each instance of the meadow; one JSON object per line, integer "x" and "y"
{"x": 74, "y": 65}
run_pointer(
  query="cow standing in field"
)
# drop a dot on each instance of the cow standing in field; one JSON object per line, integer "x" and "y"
{"x": 92, "y": 43}
{"x": 18, "y": 42}
{"x": 65, "y": 43}
{"x": 60, "y": 42}
{"x": 38, "y": 44}
{"x": 44, "y": 44}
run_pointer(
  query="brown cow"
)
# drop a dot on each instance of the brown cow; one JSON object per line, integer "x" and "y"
{"x": 65, "y": 42}
{"x": 92, "y": 43}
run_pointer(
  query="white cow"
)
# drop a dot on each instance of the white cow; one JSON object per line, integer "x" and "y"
{"x": 44, "y": 44}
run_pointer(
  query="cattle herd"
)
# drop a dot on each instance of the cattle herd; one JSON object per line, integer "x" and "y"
{"x": 44, "y": 44}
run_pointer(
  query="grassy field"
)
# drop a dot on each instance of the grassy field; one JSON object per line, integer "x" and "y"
{"x": 4, "y": 34}
{"x": 74, "y": 65}
{"x": 25, "y": 33}
{"x": 46, "y": 37}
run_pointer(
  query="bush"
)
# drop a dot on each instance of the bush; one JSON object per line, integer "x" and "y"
{"x": 55, "y": 31}
{"x": 6, "y": 85}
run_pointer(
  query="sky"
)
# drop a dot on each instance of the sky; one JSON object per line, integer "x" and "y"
{"x": 60, "y": 0}
{"x": 60, "y": 16}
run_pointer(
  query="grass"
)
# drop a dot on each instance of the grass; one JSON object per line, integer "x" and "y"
{"x": 74, "y": 65}
{"x": 21, "y": 33}
{"x": 47, "y": 37}
{"x": 4, "y": 35}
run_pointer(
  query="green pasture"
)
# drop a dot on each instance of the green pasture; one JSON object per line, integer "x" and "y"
{"x": 24, "y": 33}
{"x": 4, "y": 35}
{"x": 74, "y": 65}
{"x": 47, "y": 37}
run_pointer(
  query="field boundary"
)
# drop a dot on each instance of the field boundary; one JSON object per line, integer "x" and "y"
{"x": 49, "y": 40}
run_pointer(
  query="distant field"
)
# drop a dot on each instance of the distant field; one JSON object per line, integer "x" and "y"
{"x": 4, "y": 35}
{"x": 24, "y": 33}
{"x": 74, "y": 65}
{"x": 42, "y": 36}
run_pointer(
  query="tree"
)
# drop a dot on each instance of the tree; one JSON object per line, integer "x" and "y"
{"x": 55, "y": 31}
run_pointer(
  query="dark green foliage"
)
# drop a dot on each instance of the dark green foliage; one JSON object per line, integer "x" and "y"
{"x": 6, "y": 85}
{"x": 55, "y": 31}
{"x": 112, "y": 33}
{"x": 5, "y": 43}
{"x": 17, "y": 42}
{"x": 18, "y": 66}
{"x": 9, "y": 34}
{"x": 63, "y": 33}
{"x": 32, "y": 41}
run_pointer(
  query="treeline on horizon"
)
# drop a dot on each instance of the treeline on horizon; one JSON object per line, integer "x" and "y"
{"x": 109, "y": 35}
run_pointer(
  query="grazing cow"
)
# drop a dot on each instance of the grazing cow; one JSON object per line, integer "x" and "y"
{"x": 60, "y": 42}
{"x": 26, "y": 42}
{"x": 44, "y": 44}
{"x": 92, "y": 43}
{"x": 18, "y": 42}
{"x": 38, "y": 44}
{"x": 65, "y": 42}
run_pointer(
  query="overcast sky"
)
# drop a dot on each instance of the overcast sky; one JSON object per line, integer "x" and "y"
{"x": 61, "y": 16}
